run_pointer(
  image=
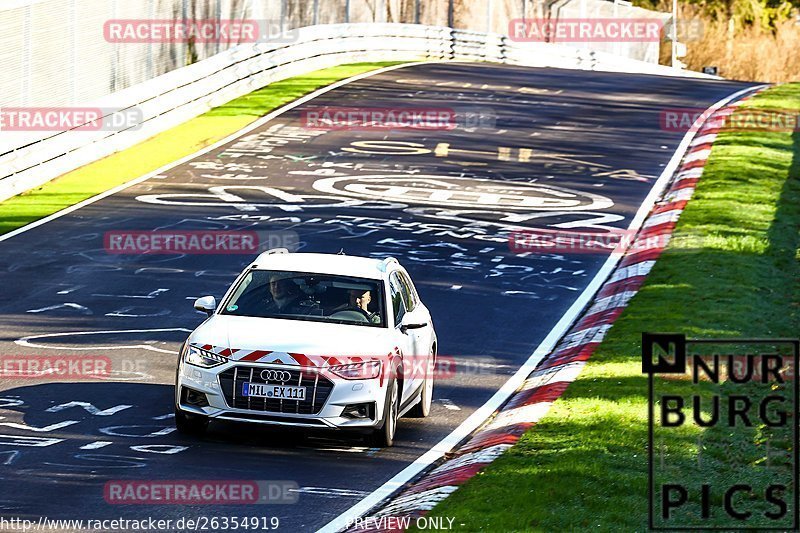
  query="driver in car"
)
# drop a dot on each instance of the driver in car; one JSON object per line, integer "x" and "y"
{"x": 287, "y": 297}
{"x": 359, "y": 299}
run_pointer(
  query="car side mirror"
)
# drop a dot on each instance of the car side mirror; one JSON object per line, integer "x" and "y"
{"x": 206, "y": 304}
{"x": 407, "y": 324}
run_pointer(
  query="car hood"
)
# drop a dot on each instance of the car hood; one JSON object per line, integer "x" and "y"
{"x": 291, "y": 342}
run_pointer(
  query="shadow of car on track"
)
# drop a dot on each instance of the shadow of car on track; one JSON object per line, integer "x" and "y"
{"x": 131, "y": 414}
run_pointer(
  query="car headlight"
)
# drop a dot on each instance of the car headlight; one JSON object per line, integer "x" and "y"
{"x": 365, "y": 370}
{"x": 199, "y": 357}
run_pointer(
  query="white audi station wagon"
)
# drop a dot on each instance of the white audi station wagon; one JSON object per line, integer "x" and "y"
{"x": 310, "y": 340}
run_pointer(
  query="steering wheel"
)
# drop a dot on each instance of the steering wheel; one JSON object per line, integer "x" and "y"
{"x": 351, "y": 313}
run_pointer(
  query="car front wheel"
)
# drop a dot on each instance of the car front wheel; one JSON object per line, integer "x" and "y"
{"x": 189, "y": 424}
{"x": 384, "y": 437}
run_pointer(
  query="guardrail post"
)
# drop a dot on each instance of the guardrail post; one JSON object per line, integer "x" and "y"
{"x": 416, "y": 11}
{"x": 316, "y": 12}
{"x": 347, "y": 11}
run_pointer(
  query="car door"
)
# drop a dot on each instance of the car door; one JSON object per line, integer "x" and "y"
{"x": 404, "y": 341}
{"x": 419, "y": 314}
{"x": 415, "y": 314}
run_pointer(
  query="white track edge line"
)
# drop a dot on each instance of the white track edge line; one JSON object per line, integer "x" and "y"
{"x": 233, "y": 136}
{"x": 476, "y": 419}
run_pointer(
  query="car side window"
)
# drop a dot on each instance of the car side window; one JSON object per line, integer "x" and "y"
{"x": 398, "y": 304}
{"x": 243, "y": 287}
{"x": 409, "y": 294}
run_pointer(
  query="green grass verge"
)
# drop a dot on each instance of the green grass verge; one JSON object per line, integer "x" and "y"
{"x": 735, "y": 272}
{"x": 165, "y": 147}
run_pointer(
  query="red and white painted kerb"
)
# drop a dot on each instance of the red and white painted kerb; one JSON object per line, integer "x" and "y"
{"x": 550, "y": 379}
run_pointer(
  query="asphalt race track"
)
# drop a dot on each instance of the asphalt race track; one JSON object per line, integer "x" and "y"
{"x": 556, "y": 149}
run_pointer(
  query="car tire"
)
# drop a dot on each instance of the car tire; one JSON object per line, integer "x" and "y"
{"x": 423, "y": 408}
{"x": 190, "y": 424}
{"x": 384, "y": 436}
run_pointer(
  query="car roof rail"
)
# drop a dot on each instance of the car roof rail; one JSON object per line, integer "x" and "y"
{"x": 388, "y": 261}
{"x": 272, "y": 251}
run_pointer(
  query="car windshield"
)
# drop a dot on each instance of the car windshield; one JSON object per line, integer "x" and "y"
{"x": 308, "y": 296}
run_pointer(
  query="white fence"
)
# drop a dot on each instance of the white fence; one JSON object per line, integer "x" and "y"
{"x": 28, "y": 159}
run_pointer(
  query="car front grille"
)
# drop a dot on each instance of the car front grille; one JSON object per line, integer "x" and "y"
{"x": 318, "y": 388}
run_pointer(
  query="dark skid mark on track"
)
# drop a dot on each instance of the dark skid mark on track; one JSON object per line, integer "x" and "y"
{"x": 590, "y": 133}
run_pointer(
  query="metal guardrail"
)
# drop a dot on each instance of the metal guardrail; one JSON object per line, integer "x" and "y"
{"x": 29, "y": 159}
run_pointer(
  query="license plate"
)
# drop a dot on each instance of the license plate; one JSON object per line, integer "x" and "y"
{"x": 277, "y": 392}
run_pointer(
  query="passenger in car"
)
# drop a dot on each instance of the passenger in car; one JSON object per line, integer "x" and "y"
{"x": 360, "y": 299}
